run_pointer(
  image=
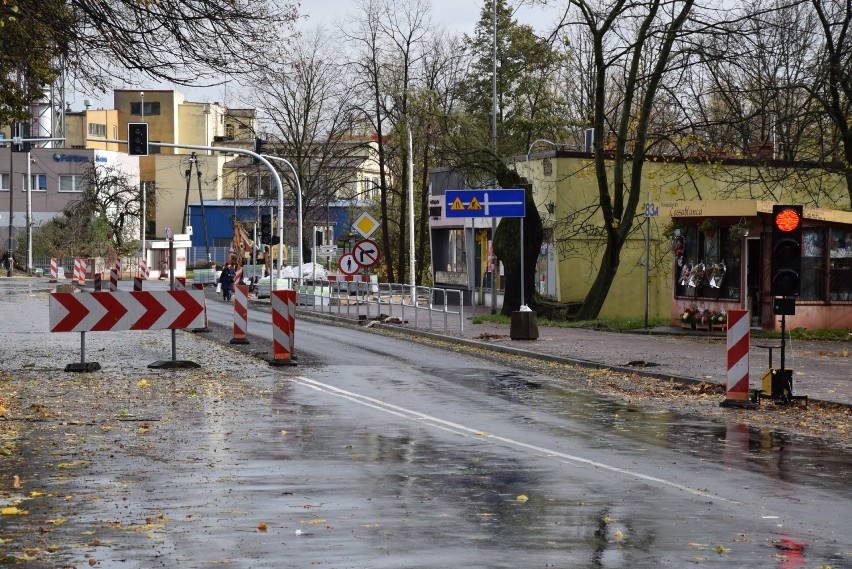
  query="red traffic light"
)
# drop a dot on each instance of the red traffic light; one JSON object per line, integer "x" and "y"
{"x": 787, "y": 220}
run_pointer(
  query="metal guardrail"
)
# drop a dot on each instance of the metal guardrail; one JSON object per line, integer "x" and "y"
{"x": 418, "y": 306}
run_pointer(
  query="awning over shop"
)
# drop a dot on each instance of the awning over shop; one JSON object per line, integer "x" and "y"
{"x": 743, "y": 208}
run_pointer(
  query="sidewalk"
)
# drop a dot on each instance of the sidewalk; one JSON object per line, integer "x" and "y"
{"x": 822, "y": 370}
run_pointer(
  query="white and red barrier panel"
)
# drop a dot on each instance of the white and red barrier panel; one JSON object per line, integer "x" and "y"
{"x": 180, "y": 283}
{"x": 350, "y": 278}
{"x": 738, "y": 350}
{"x": 240, "y": 314}
{"x": 158, "y": 310}
{"x": 144, "y": 272}
{"x": 114, "y": 275}
{"x": 54, "y": 270}
{"x": 282, "y": 325}
{"x": 80, "y": 270}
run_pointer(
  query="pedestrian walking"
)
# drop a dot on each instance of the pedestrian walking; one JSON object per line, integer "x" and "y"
{"x": 226, "y": 280}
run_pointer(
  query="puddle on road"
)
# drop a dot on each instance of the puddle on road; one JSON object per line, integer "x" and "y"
{"x": 625, "y": 427}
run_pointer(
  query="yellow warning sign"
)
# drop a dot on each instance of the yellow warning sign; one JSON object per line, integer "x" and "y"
{"x": 474, "y": 203}
{"x": 457, "y": 205}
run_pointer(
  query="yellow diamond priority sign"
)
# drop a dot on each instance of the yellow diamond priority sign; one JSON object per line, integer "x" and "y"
{"x": 366, "y": 225}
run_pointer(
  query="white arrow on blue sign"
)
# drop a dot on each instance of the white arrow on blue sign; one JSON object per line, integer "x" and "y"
{"x": 485, "y": 203}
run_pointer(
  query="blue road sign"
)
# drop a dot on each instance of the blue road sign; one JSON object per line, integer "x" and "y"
{"x": 485, "y": 203}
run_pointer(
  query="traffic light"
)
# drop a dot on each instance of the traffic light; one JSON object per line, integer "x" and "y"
{"x": 786, "y": 250}
{"x": 137, "y": 139}
{"x": 266, "y": 229}
{"x": 259, "y": 148}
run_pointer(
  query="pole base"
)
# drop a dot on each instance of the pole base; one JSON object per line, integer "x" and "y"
{"x": 738, "y": 403}
{"x": 239, "y": 341}
{"x": 281, "y": 363}
{"x": 83, "y": 367}
{"x": 173, "y": 364}
{"x": 201, "y": 330}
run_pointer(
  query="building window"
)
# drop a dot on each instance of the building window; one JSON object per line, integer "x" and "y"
{"x": 39, "y": 182}
{"x": 456, "y": 255}
{"x": 70, "y": 183}
{"x": 98, "y": 130}
{"x": 4, "y": 182}
{"x": 152, "y": 108}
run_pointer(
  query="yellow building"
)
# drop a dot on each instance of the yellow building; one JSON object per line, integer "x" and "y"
{"x": 173, "y": 120}
{"x": 566, "y": 193}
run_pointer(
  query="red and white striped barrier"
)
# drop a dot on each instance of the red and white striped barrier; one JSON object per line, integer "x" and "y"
{"x": 180, "y": 283}
{"x": 738, "y": 359}
{"x": 119, "y": 311}
{"x": 238, "y": 276}
{"x": 206, "y": 327}
{"x": 54, "y": 270}
{"x": 80, "y": 271}
{"x": 282, "y": 326}
{"x": 114, "y": 274}
{"x": 240, "y": 315}
{"x": 144, "y": 272}
{"x": 350, "y": 278}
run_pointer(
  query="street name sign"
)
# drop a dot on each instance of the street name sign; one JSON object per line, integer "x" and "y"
{"x": 485, "y": 203}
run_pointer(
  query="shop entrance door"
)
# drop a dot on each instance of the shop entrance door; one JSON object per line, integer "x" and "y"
{"x": 754, "y": 280}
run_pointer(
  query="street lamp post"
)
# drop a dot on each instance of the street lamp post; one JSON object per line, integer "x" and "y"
{"x": 298, "y": 214}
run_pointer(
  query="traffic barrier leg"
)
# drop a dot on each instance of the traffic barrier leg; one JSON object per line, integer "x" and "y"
{"x": 240, "y": 315}
{"x": 137, "y": 284}
{"x": 206, "y": 327}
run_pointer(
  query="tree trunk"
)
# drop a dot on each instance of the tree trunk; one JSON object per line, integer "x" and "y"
{"x": 594, "y": 300}
{"x": 507, "y": 247}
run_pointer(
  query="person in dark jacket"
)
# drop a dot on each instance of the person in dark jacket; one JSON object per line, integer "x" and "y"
{"x": 226, "y": 279}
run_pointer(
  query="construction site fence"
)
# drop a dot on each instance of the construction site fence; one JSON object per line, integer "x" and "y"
{"x": 418, "y": 306}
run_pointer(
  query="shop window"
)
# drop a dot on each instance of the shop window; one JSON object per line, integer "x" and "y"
{"x": 813, "y": 265}
{"x": 457, "y": 258}
{"x": 708, "y": 264}
{"x": 840, "y": 282}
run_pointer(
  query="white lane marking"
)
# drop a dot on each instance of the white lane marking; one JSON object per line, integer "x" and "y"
{"x": 463, "y": 430}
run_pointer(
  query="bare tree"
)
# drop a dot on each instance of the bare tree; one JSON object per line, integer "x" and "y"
{"x": 834, "y": 90}
{"x": 187, "y": 42}
{"x": 308, "y": 104}
{"x": 388, "y": 38}
{"x": 102, "y": 221}
{"x": 634, "y": 48}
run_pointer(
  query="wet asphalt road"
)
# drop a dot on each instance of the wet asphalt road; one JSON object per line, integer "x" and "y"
{"x": 378, "y": 452}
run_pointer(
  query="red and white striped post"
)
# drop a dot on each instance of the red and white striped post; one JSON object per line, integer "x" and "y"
{"x": 143, "y": 269}
{"x": 291, "y": 310}
{"x": 180, "y": 283}
{"x": 54, "y": 270}
{"x": 738, "y": 360}
{"x": 114, "y": 275}
{"x": 238, "y": 276}
{"x": 80, "y": 271}
{"x": 240, "y": 315}
{"x": 282, "y": 330}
